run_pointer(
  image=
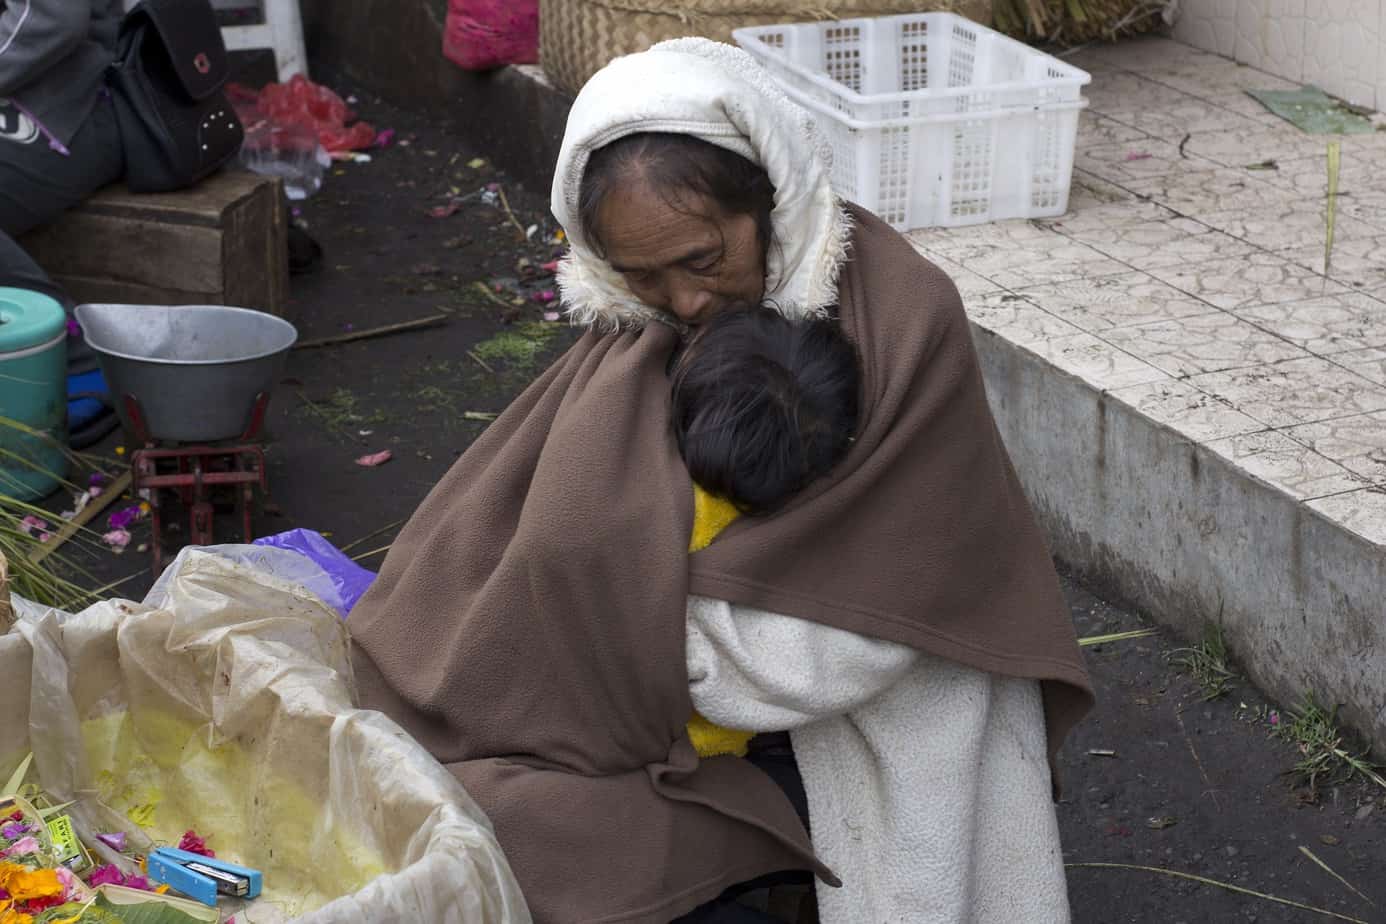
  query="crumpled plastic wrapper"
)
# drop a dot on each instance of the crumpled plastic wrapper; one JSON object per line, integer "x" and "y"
{"x": 223, "y": 704}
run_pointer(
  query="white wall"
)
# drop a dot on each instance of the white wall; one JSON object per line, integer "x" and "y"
{"x": 1334, "y": 44}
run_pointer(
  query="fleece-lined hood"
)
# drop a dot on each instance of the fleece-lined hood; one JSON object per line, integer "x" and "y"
{"x": 719, "y": 94}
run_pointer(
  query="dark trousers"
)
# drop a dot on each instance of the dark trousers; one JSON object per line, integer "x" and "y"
{"x": 773, "y": 754}
{"x": 37, "y": 183}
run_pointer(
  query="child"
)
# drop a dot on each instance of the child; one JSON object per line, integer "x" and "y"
{"x": 762, "y": 406}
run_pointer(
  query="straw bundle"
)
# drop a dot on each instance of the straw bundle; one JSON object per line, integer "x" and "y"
{"x": 6, "y": 611}
{"x": 1074, "y": 21}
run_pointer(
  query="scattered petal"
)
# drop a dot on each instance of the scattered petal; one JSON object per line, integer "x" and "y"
{"x": 1138, "y": 155}
{"x": 551, "y": 267}
{"x": 14, "y": 830}
{"x": 531, "y": 231}
{"x": 124, "y": 519}
{"x": 120, "y": 450}
{"x": 25, "y": 885}
{"x": 476, "y": 163}
{"x": 72, "y": 887}
{"x": 25, "y": 845}
{"x": 385, "y": 137}
{"x": 375, "y": 458}
{"x": 36, "y": 527}
{"x": 545, "y": 296}
{"x": 117, "y": 539}
{"x": 551, "y": 315}
{"x": 115, "y": 841}
{"x": 194, "y": 844}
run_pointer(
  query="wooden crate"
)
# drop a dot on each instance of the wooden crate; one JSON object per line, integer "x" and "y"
{"x": 222, "y": 242}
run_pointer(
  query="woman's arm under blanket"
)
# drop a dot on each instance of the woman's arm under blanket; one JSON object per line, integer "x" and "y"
{"x": 758, "y": 671}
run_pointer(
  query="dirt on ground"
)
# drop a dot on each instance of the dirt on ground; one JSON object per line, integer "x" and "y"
{"x": 1155, "y": 777}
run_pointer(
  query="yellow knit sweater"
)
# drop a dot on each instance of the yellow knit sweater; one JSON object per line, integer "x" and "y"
{"x": 711, "y": 515}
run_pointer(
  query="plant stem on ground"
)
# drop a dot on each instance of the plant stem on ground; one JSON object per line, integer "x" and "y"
{"x": 1207, "y": 663}
{"x": 1321, "y": 746}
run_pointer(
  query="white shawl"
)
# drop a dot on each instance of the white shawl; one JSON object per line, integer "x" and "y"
{"x": 928, "y": 787}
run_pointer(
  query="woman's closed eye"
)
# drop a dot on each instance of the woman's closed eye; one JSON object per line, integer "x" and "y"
{"x": 703, "y": 262}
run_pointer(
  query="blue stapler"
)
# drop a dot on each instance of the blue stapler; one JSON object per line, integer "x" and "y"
{"x": 202, "y": 878}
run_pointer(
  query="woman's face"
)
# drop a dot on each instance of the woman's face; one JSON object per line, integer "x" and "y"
{"x": 683, "y": 255}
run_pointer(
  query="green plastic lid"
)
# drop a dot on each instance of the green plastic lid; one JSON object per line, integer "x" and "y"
{"x": 28, "y": 319}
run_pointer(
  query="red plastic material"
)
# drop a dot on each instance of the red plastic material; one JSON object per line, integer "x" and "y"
{"x": 485, "y": 34}
{"x": 307, "y": 105}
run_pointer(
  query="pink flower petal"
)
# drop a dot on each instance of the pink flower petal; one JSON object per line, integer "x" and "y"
{"x": 194, "y": 844}
{"x": 72, "y": 886}
{"x": 375, "y": 458}
{"x": 26, "y": 844}
{"x": 114, "y": 841}
{"x": 551, "y": 315}
{"x": 117, "y": 539}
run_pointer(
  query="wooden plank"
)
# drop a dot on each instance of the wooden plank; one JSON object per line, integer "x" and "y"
{"x": 125, "y": 293}
{"x": 255, "y": 252}
{"x": 203, "y": 204}
{"x": 149, "y": 253}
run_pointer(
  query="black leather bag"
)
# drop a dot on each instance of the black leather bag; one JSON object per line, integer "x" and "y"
{"x": 176, "y": 124}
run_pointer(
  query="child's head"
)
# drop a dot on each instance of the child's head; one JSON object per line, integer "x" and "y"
{"x": 763, "y": 405}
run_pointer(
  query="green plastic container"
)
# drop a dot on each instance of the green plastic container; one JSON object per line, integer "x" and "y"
{"x": 33, "y": 392}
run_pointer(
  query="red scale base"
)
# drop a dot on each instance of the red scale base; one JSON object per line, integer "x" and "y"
{"x": 193, "y": 472}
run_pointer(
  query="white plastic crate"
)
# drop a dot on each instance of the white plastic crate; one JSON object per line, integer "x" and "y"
{"x": 933, "y": 119}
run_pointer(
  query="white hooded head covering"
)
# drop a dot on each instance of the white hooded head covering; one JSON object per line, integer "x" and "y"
{"x": 720, "y": 94}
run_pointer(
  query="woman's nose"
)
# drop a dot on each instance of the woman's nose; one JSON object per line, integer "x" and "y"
{"x": 690, "y": 303}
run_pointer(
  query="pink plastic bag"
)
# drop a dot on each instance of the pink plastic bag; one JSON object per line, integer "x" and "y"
{"x": 483, "y": 34}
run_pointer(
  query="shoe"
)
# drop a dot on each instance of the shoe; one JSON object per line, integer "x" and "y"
{"x": 305, "y": 254}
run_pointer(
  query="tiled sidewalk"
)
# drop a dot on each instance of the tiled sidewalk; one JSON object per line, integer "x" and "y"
{"x": 1188, "y": 278}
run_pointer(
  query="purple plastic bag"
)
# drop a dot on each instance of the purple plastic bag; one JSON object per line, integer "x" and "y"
{"x": 349, "y": 578}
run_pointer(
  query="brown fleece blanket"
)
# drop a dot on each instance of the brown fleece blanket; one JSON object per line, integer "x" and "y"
{"x": 528, "y": 625}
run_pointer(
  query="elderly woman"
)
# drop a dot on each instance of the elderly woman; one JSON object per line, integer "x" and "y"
{"x": 541, "y": 627}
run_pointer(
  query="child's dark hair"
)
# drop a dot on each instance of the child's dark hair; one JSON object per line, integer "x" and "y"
{"x": 764, "y": 405}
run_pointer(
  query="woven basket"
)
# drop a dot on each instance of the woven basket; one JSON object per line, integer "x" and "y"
{"x": 578, "y": 37}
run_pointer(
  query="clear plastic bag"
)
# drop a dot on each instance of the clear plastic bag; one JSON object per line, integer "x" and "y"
{"x": 290, "y": 152}
{"x": 223, "y": 704}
